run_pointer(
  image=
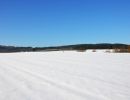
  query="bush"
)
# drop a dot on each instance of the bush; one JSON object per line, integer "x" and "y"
{"x": 81, "y": 50}
{"x": 94, "y": 50}
{"x": 122, "y": 49}
{"x": 129, "y": 48}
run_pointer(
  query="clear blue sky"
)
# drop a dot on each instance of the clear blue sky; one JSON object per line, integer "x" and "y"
{"x": 59, "y": 22}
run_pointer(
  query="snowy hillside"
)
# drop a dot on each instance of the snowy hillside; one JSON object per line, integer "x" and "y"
{"x": 65, "y": 75}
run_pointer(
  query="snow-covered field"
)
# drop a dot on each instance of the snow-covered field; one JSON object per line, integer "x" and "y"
{"x": 65, "y": 75}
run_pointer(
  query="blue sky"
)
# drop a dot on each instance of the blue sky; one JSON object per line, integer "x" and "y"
{"x": 61, "y": 22}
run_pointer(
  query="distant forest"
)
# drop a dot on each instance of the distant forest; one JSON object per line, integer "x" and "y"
{"x": 7, "y": 49}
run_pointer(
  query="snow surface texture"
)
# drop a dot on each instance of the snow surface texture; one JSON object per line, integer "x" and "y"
{"x": 68, "y": 75}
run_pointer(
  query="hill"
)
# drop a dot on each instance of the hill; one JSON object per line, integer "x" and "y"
{"x": 66, "y": 47}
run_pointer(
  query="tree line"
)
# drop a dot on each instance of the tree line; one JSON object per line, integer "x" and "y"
{"x": 66, "y": 47}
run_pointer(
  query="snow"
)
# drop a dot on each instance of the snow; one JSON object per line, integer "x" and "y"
{"x": 68, "y": 75}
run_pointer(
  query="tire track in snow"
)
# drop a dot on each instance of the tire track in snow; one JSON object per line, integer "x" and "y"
{"x": 17, "y": 84}
{"x": 15, "y": 66}
{"x": 39, "y": 64}
{"x": 62, "y": 86}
